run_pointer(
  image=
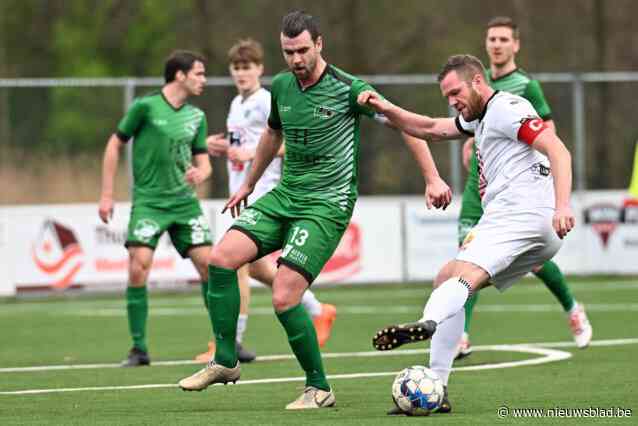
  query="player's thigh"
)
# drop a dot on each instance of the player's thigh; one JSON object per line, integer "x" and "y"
{"x": 146, "y": 225}
{"x": 509, "y": 244}
{"x": 309, "y": 243}
{"x": 288, "y": 288}
{"x": 199, "y": 257}
{"x": 189, "y": 228}
{"x": 263, "y": 270}
{"x": 234, "y": 250}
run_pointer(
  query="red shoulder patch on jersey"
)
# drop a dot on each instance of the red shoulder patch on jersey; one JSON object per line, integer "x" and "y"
{"x": 530, "y": 129}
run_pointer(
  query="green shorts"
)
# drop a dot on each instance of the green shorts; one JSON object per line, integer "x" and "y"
{"x": 185, "y": 223}
{"x": 465, "y": 225}
{"x": 306, "y": 235}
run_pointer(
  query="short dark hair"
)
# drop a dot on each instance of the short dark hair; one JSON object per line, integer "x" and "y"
{"x": 299, "y": 21}
{"x": 504, "y": 21}
{"x": 467, "y": 66}
{"x": 180, "y": 60}
{"x": 246, "y": 50}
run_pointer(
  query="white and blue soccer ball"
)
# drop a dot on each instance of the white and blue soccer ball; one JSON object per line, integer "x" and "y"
{"x": 417, "y": 391}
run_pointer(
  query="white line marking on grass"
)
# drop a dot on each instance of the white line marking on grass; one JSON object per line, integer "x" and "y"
{"x": 289, "y": 357}
{"x": 359, "y": 310}
{"x": 547, "y": 355}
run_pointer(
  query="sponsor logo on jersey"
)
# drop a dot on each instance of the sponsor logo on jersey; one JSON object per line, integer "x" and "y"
{"x": 160, "y": 122}
{"x": 284, "y": 108}
{"x": 324, "y": 112}
{"x": 57, "y": 253}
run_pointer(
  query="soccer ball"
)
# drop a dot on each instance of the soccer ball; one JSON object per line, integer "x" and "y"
{"x": 417, "y": 391}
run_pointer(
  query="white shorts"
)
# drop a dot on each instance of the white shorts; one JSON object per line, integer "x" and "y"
{"x": 508, "y": 244}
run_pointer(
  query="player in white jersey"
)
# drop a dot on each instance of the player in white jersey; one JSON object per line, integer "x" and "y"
{"x": 525, "y": 179}
{"x": 247, "y": 119}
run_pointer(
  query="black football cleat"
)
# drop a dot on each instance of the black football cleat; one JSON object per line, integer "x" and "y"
{"x": 136, "y": 358}
{"x": 244, "y": 355}
{"x": 396, "y": 335}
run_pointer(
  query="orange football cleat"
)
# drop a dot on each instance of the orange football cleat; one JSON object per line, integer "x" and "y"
{"x": 203, "y": 358}
{"x": 323, "y": 322}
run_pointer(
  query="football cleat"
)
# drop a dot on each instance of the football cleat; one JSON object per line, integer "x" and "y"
{"x": 212, "y": 373}
{"x": 136, "y": 358}
{"x": 244, "y": 355}
{"x": 580, "y": 326}
{"x": 313, "y": 398}
{"x": 204, "y": 357}
{"x": 464, "y": 347}
{"x": 323, "y": 322}
{"x": 397, "y": 335}
{"x": 445, "y": 406}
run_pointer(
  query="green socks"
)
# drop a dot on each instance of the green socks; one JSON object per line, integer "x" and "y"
{"x": 204, "y": 289}
{"x": 303, "y": 341}
{"x": 469, "y": 308}
{"x": 555, "y": 281}
{"x": 137, "y": 309}
{"x": 223, "y": 310}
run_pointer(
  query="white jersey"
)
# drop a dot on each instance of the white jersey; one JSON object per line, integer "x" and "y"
{"x": 510, "y": 170}
{"x": 246, "y": 122}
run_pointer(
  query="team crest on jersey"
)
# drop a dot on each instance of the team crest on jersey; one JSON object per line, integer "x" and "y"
{"x": 249, "y": 217}
{"x": 324, "y": 112}
{"x": 145, "y": 229}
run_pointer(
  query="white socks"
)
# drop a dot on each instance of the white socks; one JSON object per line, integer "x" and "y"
{"x": 446, "y": 300}
{"x": 444, "y": 343}
{"x": 242, "y": 322}
{"x": 310, "y": 303}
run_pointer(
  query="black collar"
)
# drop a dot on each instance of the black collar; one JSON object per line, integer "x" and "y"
{"x": 504, "y": 75}
{"x": 325, "y": 71}
{"x": 170, "y": 104}
{"x": 480, "y": 117}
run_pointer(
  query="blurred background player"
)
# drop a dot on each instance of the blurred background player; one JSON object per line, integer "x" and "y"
{"x": 170, "y": 159}
{"x": 247, "y": 119}
{"x": 502, "y": 43}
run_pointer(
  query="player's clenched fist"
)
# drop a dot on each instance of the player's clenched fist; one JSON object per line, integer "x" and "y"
{"x": 563, "y": 221}
{"x": 374, "y": 100}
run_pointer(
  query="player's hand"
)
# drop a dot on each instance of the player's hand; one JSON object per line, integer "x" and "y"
{"x": 240, "y": 155}
{"x": 438, "y": 194}
{"x": 194, "y": 176}
{"x": 217, "y": 145}
{"x": 563, "y": 221}
{"x": 234, "y": 203}
{"x": 468, "y": 150}
{"x": 105, "y": 209}
{"x": 373, "y": 100}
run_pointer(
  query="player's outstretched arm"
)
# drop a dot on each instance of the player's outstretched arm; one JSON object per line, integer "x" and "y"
{"x": 437, "y": 192}
{"x": 217, "y": 145}
{"x": 268, "y": 147}
{"x": 420, "y": 126}
{"x": 560, "y": 161}
{"x": 109, "y": 168}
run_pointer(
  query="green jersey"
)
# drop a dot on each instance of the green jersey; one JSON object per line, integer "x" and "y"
{"x": 165, "y": 139}
{"x": 517, "y": 82}
{"x": 321, "y": 127}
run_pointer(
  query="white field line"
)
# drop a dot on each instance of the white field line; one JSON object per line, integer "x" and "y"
{"x": 290, "y": 357}
{"x": 547, "y": 355}
{"x": 377, "y": 294}
{"x": 356, "y": 310}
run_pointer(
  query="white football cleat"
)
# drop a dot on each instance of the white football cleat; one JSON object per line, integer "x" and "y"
{"x": 212, "y": 373}
{"x": 312, "y": 398}
{"x": 580, "y": 326}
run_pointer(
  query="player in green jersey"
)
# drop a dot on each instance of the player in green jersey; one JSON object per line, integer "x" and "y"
{"x": 170, "y": 159}
{"x": 314, "y": 107}
{"x": 502, "y": 43}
